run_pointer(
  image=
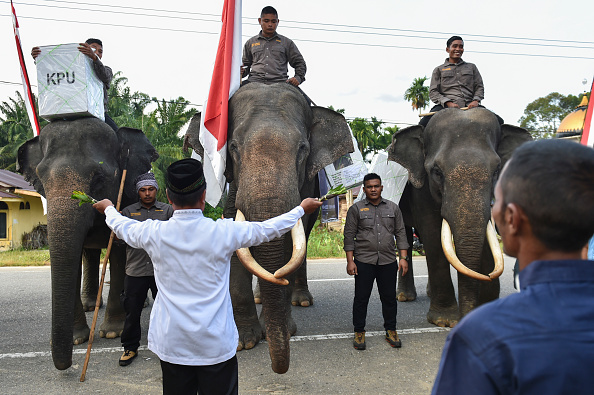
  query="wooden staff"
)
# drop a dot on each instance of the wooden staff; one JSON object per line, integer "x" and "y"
{"x": 432, "y": 113}
{"x": 103, "y": 270}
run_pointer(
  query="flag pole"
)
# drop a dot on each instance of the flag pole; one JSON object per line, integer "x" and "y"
{"x": 29, "y": 98}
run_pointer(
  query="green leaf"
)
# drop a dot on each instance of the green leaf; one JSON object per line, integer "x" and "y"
{"x": 82, "y": 198}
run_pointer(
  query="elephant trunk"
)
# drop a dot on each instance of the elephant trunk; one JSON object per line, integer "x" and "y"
{"x": 67, "y": 225}
{"x": 275, "y": 305}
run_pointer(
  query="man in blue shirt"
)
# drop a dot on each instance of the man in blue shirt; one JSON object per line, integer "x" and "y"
{"x": 540, "y": 340}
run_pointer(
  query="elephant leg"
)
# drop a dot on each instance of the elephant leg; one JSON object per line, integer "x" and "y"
{"x": 244, "y": 309}
{"x": 113, "y": 322}
{"x": 81, "y": 330}
{"x": 301, "y": 295}
{"x": 90, "y": 282}
{"x": 406, "y": 291}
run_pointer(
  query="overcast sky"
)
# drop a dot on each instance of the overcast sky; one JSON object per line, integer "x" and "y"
{"x": 361, "y": 55}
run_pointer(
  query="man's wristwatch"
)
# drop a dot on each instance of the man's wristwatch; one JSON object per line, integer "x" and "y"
{"x": 406, "y": 258}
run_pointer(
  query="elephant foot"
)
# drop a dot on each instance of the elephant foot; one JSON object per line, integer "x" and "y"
{"x": 249, "y": 336}
{"x": 404, "y": 296}
{"x": 301, "y": 297}
{"x": 81, "y": 335}
{"x": 89, "y": 303}
{"x": 111, "y": 329}
{"x": 444, "y": 318}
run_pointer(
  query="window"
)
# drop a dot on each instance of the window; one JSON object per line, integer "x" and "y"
{"x": 3, "y": 225}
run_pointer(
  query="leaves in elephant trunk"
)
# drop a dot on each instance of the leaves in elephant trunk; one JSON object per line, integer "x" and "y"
{"x": 338, "y": 190}
{"x": 82, "y": 198}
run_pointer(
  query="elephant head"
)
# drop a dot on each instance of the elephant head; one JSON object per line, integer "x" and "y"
{"x": 276, "y": 144}
{"x": 456, "y": 159}
{"x": 86, "y": 155}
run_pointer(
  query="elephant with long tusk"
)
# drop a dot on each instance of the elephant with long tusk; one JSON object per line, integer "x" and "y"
{"x": 276, "y": 145}
{"x": 453, "y": 165}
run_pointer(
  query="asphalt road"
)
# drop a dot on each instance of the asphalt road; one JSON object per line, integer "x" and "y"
{"x": 323, "y": 360}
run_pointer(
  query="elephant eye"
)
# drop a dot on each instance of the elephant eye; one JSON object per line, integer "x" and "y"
{"x": 437, "y": 174}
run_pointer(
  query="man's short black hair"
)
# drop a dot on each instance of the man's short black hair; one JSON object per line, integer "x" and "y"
{"x": 452, "y": 39}
{"x": 94, "y": 41}
{"x": 186, "y": 200}
{"x": 268, "y": 10}
{"x": 553, "y": 182}
{"x": 371, "y": 176}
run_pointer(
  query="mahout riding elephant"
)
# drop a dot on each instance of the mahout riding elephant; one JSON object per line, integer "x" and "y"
{"x": 453, "y": 165}
{"x": 276, "y": 144}
{"x": 87, "y": 155}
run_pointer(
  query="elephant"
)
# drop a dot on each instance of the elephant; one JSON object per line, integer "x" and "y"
{"x": 453, "y": 164}
{"x": 83, "y": 154}
{"x": 276, "y": 145}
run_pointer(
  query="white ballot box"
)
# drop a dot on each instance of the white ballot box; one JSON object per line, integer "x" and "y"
{"x": 67, "y": 85}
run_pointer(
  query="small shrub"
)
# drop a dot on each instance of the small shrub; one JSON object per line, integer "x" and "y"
{"x": 36, "y": 239}
{"x": 325, "y": 243}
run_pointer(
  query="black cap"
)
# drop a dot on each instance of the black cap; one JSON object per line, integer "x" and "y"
{"x": 185, "y": 176}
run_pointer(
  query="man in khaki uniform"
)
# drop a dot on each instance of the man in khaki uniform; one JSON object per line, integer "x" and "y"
{"x": 369, "y": 231}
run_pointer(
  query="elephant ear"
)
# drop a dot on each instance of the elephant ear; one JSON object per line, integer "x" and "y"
{"x": 28, "y": 158}
{"x": 511, "y": 138}
{"x": 140, "y": 152}
{"x": 330, "y": 138}
{"x": 192, "y": 140}
{"x": 408, "y": 150}
{"x": 192, "y": 137}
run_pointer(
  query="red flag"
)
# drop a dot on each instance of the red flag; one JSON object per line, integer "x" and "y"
{"x": 588, "y": 133}
{"x": 225, "y": 81}
{"x": 29, "y": 100}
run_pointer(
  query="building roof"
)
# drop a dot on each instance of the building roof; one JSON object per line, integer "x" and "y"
{"x": 573, "y": 123}
{"x": 10, "y": 180}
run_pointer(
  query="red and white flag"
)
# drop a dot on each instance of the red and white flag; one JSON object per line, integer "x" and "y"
{"x": 29, "y": 100}
{"x": 588, "y": 133}
{"x": 225, "y": 81}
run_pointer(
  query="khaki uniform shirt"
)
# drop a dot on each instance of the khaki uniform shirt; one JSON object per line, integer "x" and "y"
{"x": 459, "y": 83}
{"x": 369, "y": 231}
{"x": 267, "y": 59}
{"x": 138, "y": 263}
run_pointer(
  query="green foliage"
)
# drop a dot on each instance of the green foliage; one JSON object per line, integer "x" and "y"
{"x": 15, "y": 129}
{"x": 371, "y": 137}
{"x": 213, "y": 212}
{"x": 418, "y": 94}
{"x": 82, "y": 198}
{"x": 126, "y": 108}
{"x": 325, "y": 243}
{"x": 543, "y": 116}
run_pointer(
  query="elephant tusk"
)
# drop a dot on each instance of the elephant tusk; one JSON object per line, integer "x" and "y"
{"x": 448, "y": 249}
{"x": 252, "y": 266}
{"x": 496, "y": 250}
{"x": 299, "y": 248}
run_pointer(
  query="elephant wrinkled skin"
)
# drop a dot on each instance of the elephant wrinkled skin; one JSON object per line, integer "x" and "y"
{"x": 453, "y": 164}
{"x": 86, "y": 155}
{"x": 276, "y": 144}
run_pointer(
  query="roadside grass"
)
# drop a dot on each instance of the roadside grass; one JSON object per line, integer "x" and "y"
{"x": 21, "y": 257}
{"x": 325, "y": 243}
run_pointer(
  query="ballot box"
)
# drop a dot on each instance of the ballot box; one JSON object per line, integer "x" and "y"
{"x": 67, "y": 84}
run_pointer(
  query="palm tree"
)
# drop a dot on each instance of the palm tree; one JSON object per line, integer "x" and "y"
{"x": 15, "y": 129}
{"x": 126, "y": 108}
{"x": 418, "y": 94}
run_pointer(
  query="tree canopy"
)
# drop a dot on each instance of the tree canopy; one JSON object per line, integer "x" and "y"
{"x": 418, "y": 94}
{"x": 543, "y": 116}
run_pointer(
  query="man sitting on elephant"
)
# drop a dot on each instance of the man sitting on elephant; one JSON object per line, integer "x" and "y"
{"x": 537, "y": 341}
{"x": 266, "y": 55}
{"x": 456, "y": 83}
{"x": 191, "y": 256}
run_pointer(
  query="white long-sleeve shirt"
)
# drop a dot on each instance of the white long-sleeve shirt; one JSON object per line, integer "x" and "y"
{"x": 192, "y": 318}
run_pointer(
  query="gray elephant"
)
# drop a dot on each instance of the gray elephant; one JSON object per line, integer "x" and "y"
{"x": 453, "y": 164}
{"x": 86, "y": 155}
{"x": 276, "y": 144}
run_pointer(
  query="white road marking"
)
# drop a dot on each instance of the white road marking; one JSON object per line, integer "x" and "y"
{"x": 352, "y": 278}
{"x": 331, "y": 336}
